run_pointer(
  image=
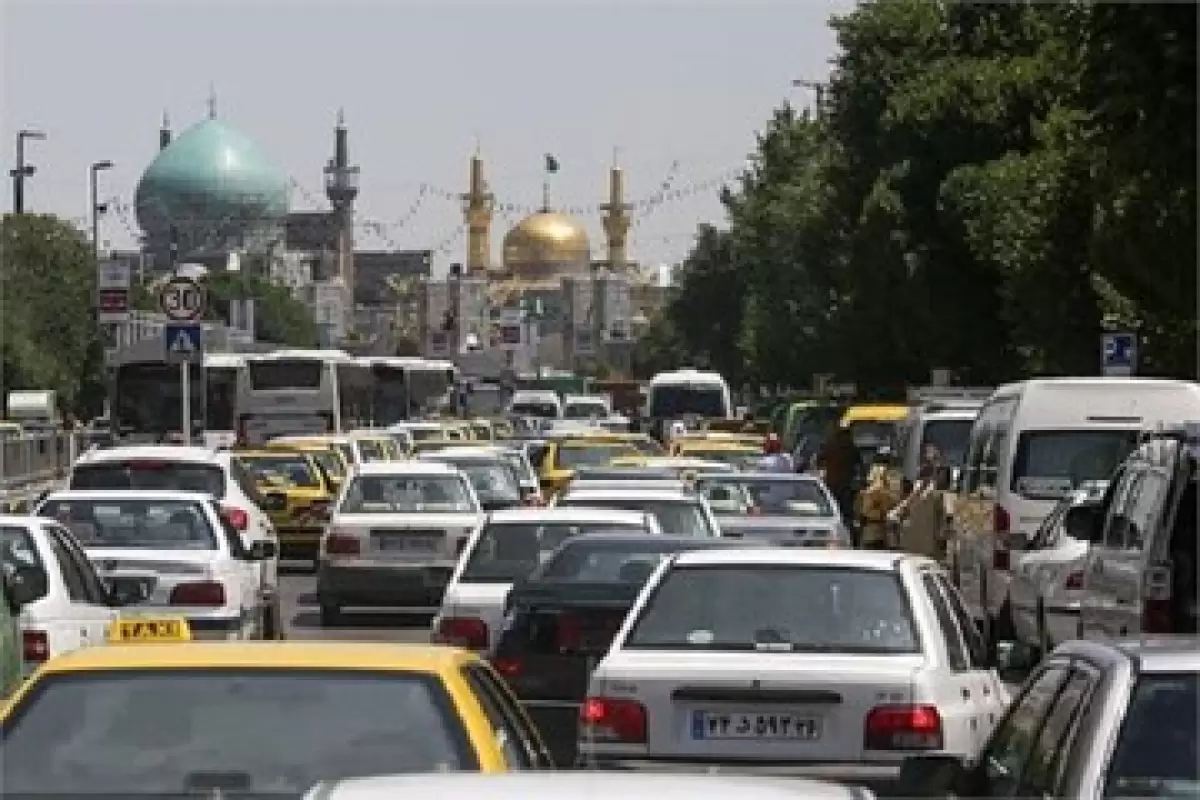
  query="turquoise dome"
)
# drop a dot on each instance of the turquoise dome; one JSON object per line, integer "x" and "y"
{"x": 211, "y": 176}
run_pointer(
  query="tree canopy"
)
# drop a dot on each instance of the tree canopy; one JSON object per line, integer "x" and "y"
{"x": 987, "y": 188}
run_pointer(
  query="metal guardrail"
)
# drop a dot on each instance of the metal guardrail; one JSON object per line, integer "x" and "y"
{"x": 34, "y": 462}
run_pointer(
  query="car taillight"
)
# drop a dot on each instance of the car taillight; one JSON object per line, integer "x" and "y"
{"x": 207, "y": 593}
{"x": 1000, "y": 525}
{"x": 508, "y": 667}
{"x": 466, "y": 632}
{"x": 1156, "y": 599}
{"x": 612, "y": 719}
{"x": 568, "y": 634}
{"x": 1075, "y": 580}
{"x": 237, "y": 517}
{"x": 903, "y": 727}
{"x": 341, "y": 544}
{"x": 35, "y": 646}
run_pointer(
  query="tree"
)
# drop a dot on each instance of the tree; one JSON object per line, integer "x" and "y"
{"x": 47, "y": 283}
{"x": 707, "y": 313}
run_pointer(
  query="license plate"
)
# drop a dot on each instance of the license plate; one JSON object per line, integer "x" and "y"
{"x": 401, "y": 543}
{"x": 709, "y": 725}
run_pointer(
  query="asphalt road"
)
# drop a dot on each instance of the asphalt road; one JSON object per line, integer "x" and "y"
{"x": 299, "y": 590}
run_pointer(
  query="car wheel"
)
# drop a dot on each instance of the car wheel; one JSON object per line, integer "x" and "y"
{"x": 331, "y": 613}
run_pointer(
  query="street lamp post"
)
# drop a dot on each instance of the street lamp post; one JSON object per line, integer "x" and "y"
{"x": 22, "y": 170}
{"x": 98, "y": 208}
{"x": 818, "y": 87}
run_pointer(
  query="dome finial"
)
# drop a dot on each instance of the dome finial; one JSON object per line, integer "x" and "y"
{"x": 341, "y": 118}
{"x": 166, "y": 123}
{"x": 212, "y": 101}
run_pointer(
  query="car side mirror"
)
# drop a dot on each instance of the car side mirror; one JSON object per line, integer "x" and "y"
{"x": 25, "y": 585}
{"x": 1083, "y": 523}
{"x": 262, "y": 550}
{"x": 935, "y": 776}
{"x": 126, "y": 592}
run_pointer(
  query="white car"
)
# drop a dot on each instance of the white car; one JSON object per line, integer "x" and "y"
{"x": 395, "y": 536}
{"x": 169, "y": 552}
{"x": 840, "y": 660}
{"x": 507, "y": 547}
{"x": 68, "y": 607}
{"x": 570, "y": 785}
{"x": 192, "y": 469}
{"x": 515, "y": 457}
{"x": 681, "y": 513}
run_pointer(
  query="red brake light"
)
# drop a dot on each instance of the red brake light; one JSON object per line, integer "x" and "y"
{"x": 237, "y": 517}
{"x": 208, "y": 593}
{"x": 508, "y": 667}
{"x": 612, "y": 719}
{"x": 35, "y": 646}
{"x": 466, "y": 632}
{"x": 1075, "y": 580}
{"x": 903, "y": 727}
{"x": 340, "y": 544}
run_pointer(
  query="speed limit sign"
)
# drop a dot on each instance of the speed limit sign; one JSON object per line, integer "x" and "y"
{"x": 182, "y": 300}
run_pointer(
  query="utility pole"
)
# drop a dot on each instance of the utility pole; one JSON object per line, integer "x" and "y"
{"x": 23, "y": 170}
{"x": 98, "y": 208}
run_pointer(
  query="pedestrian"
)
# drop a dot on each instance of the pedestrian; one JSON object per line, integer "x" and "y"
{"x": 873, "y": 504}
{"x": 839, "y": 462}
{"x": 921, "y": 516}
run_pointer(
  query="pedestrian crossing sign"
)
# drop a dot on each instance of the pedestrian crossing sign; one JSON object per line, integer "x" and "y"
{"x": 183, "y": 343}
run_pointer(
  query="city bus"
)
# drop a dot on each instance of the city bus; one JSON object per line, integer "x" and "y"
{"x": 301, "y": 392}
{"x": 222, "y": 371}
{"x": 389, "y": 397}
{"x": 147, "y": 394}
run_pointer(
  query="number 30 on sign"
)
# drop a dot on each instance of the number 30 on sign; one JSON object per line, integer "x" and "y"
{"x": 182, "y": 300}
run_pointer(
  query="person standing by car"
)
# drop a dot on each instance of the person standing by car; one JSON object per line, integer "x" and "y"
{"x": 874, "y": 503}
{"x": 921, "y": 515}
{"x": 839, "y": 460}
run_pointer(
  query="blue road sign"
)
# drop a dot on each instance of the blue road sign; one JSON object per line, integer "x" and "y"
{"x": 183, "y": 343}
{"x": 1119, "y": 353}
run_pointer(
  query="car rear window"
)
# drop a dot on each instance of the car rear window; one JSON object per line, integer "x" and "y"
{"x": 133, "y": 733}
{"x": 600, "y": 561}
{"x": 295, "y": 469}
{"x": 507, "y": 552}
{"x": 19, "y": 551}
{"x": 777, "y": 608}
{"x": 149, "y": 473}
{"x": 152, "y": 524}
{"x": 1050, "y": 463}
{"x": 1156, "y": 750}
{"x": 678, "y": 517}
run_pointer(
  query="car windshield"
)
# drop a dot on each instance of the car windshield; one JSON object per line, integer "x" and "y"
{"x": 684, "y": 401}
{"x": 492, "y": 481}
{"x": 393, "y": 494}
{"x": 777, "y": 608}
{"x": 151, "y": 473}
{"x": 509, "y": 551}
{"x": 591, "y": 455}
{"x": 295, "y": 469}
{"x": 870, "y": 433}
{"x": 1050, "y": 463}
{"x": 134, "y": 523}
{"x": 133, "y": 733}
{"x": 779, "y": 498}
{"x": 950, "y": 437}
{"x": 539, "y": 410}
{"x": 600, "y": 561}
{"x": 584, "y": 410}
{"x": 1156, "y": 751}
{"x": 679, "y": 517}
{"x": 18, "y": 551}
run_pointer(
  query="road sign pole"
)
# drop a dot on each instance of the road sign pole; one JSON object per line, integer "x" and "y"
{"x": 185, "y": 384}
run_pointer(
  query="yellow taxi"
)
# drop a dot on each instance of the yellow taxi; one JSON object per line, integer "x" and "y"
{"x": 562, "y": 457}
{"x": 339, "y": 444}
{"x": 735, "y": 453}
{"x": 642, "y": 442}
{"x": 155, "y": 713}
{"x": 297, "y": 496}
{"x": 874, "y": 422}
{"x": 332, "y": 460}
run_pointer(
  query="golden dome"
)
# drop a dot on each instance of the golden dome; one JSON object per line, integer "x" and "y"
{"x": 545, "y": 245}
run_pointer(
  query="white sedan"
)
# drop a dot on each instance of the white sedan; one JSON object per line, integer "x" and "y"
{"x": 507, "y": 547}
{"x": 842, "y": 661}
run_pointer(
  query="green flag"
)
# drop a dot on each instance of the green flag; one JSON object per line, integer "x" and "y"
{"x": 551, "y": 164}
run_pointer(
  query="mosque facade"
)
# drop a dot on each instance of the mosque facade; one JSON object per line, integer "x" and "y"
{"x": 212, "y": 199}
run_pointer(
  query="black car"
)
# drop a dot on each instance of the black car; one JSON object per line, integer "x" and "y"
{"x": 561, "y": 620}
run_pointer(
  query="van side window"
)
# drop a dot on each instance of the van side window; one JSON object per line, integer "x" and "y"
{"x": 989, "y": 471}
{"x": 980, "y": 438}
{"x": 1115, "y": 521}
{"x": 1145, "y": 505}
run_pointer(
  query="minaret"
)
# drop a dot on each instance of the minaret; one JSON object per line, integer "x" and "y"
{"x": 341, "y": 187}
{"x": 616, "y": 218}
{"x": 478, "y": 205}
{"x": 164, "y": 133}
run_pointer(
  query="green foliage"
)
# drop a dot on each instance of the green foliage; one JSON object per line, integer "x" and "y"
{"x": 47, "y": 337}
{"x": 989, "y": 187}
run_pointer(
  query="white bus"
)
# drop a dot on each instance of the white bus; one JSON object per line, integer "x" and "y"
{"x": 683, "y": 395}
{"x": 388, "y": 401}
{"x": 222, "y": 372}
{"x": 300, "y": 392}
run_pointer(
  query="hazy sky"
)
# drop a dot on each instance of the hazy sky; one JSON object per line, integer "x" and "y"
{"x": 669, "y": 83}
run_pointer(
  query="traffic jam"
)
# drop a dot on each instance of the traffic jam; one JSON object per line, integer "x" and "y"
{"x": 633, "y": 590}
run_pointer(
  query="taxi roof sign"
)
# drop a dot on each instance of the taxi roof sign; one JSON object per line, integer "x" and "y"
{"x": 149, "y": 630}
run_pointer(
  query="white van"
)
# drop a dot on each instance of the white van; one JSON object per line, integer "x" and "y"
{"x": 1032, "y": 443}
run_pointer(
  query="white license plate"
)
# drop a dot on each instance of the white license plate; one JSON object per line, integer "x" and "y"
{"x": 719, "y": 725}
{"x": 400, "y": 543}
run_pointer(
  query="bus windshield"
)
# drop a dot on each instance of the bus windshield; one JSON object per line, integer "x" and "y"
{"x": 220, "y": 398}
{"x": 389, "y": 395}
{"x": 285, "y": 374}
{"x": 148, "y": 398}
{"x": 675, "y": 401}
